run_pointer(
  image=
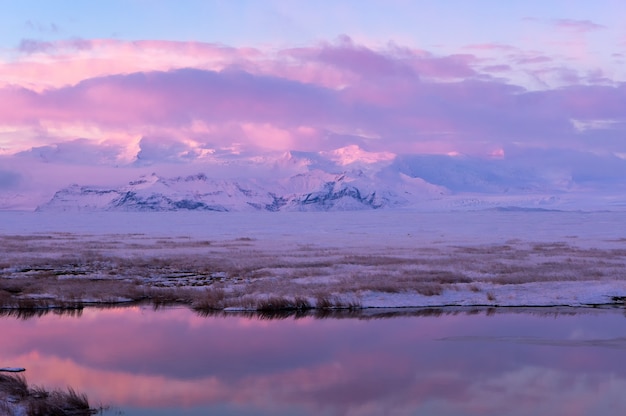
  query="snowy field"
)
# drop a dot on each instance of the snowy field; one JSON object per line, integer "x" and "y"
{"x": 390, "y": 258}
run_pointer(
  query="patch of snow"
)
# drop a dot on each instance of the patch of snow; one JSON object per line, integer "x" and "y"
{"x": 525, "y": 294}
{"x": 12, "y": 369}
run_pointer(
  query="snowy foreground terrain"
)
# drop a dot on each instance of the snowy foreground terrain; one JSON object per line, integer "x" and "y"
{"x": 382, "y": 258}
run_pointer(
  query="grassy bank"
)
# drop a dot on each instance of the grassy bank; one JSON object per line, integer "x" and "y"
{"x": 17, "y": 398}
{"x": 71, "y": 271}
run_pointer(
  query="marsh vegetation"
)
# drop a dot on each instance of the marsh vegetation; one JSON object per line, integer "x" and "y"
{"x": 69, "y": 271}
{"x": 18, "y": 398}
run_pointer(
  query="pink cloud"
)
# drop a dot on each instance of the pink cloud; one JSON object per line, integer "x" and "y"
{"x": 269, "y": 110}
{"x": 393, "y": 99}
{"x": 324, "y": 366}
{"x": 57, "y": 64}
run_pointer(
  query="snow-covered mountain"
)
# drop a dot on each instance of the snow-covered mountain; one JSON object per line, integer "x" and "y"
{"x": 311, "y": 191}
{"x": 345, "y": 179}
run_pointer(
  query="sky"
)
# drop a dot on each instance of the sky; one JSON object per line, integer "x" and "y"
{"x": 116, "y": 83}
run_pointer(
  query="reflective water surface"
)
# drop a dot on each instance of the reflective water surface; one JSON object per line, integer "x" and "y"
{"x": 175, "y": 362}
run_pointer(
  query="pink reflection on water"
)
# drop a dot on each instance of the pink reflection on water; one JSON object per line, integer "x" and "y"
{"x": 173, "y": 358}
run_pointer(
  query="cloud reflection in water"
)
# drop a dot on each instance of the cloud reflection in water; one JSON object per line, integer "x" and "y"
{"x": 509, "y": 363}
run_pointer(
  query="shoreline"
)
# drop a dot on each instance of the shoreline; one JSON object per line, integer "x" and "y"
{"x": 335, "y": 313}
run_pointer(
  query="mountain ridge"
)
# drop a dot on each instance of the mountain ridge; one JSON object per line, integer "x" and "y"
{"x": 316, "y": 190}
{"x": 343, "y": 180}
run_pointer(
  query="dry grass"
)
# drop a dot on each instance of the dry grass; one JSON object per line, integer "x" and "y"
{"x": 209, "y": 298}
{"x": 16, "y": 397}
{"x": 274, "y": 303}
{"x": 14, "y": 386}
{"x": 70, "y": 271}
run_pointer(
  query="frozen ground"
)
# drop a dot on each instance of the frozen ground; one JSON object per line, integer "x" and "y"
{"x": 364, "y": 258}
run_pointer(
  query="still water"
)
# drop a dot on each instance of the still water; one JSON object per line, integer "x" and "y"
{"x": 175, "y": 362}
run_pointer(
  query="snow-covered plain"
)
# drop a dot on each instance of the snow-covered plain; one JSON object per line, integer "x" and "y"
{"x": 382, "y": 258}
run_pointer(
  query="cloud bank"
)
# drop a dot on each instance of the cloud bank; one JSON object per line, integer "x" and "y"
{"x": 103, "y": 102}
{"x": 206, "y": 96}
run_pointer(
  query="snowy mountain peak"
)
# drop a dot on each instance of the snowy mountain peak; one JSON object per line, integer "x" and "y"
{"x": 346, "y": 178}
{"x": 144, "y": 181}
{"x": 311, "y": 191}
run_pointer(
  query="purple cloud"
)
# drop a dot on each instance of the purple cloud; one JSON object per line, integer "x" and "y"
{"x": 82, "y": 151}
{"x": 540, "y": 59}
{"x": 33, "y": 46}
{"x": 42, "y": 27}
{"x": 322, "y": 97}
{"x": 580, "y": 26}
{"x": 469, "y": 111}
{"x": 395, "y": 62}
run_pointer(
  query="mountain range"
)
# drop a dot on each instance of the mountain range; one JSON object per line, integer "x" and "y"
{"x": 313, "y": 191}
{"x": 345, "y": 179}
